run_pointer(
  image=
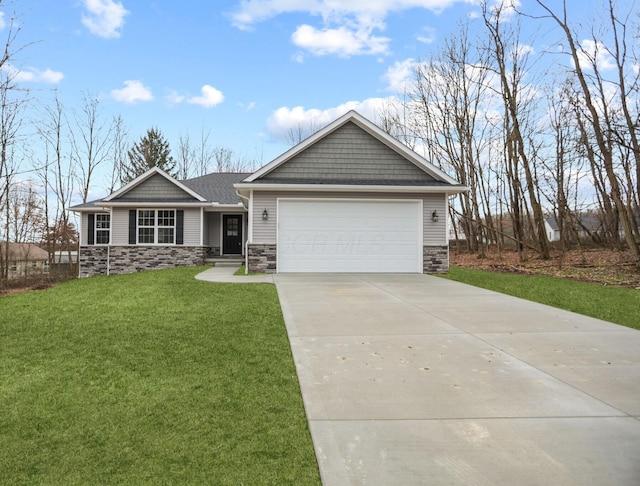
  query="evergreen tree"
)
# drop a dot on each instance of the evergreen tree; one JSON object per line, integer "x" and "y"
{"x": 151, "y": 151}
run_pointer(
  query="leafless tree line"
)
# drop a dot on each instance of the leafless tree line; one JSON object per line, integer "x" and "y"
{"x": 533, "y": 134}
{"x": 63, "y": 156}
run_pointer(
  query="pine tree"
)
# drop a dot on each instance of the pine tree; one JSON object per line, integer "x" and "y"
{"x": 151, "y": 151}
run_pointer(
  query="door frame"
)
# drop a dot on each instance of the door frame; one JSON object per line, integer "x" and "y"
{"x": 222, "y": 228}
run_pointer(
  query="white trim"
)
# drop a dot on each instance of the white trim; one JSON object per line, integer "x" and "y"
{"x": 141, "y": 202}
{"x": 448, "y": 190}
{"x": 95, "y": 229}
{"x": 369, "y": 127}
{"x": 143, "y": 177}
{"x": 156, "y": 227}
{"x": 201, "y": 227}
{"x": 250, "y": 218}
{"x": 377, "y": 200}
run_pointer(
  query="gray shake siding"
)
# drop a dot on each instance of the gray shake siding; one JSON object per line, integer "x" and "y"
{"x": 157, "y": 188}
{"x": 434, "y": 234}
{"x": 349, "y": 153}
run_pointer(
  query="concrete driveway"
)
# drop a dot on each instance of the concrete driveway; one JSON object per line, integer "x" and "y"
{"x": 416, "y": 380}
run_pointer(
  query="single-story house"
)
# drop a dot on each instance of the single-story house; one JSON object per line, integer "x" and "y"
{"x": 349, "y": 198}
{"x": 24, "y": 259}
{"x": 585, "y": 226}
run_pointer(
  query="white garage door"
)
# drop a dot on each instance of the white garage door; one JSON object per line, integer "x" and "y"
{"x": 349, "y": 236}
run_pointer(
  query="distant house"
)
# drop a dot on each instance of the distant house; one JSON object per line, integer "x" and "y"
{"x": 25, "y": 259}
{"x": 585, "y": 226}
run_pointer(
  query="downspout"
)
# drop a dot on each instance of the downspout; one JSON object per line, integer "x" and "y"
{"x": 250, "y": 225}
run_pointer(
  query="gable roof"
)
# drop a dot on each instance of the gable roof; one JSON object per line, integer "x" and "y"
{"x": 146, "y": 176}
{"x": 215, "y": 189}
{"x": 425, "y": 173}
{"x": 25, "y": 252}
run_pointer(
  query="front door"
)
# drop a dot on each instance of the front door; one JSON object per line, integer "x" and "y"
{"x": 232, "y": 234}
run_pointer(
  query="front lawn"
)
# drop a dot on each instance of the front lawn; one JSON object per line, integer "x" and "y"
{"x": 150, "y": 378}
{"x": 610, "y": 303}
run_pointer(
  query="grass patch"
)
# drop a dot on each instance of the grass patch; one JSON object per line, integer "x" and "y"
{"x": 610, "y": 303}
{"x": 241, "y": 272}
{"x": 150, "y": 378}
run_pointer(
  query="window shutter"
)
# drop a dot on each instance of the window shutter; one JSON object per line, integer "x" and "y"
{"x": 180, "y": 227}
{"x": 91, "y": 230}
{"x": 132, "y": 226}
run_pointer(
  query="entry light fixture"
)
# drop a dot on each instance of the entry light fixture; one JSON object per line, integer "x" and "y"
{"x": 434, "y": 216}
{"x": 265, "y": 214}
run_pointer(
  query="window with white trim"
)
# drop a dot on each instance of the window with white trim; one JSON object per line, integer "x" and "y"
{"x": 103, "y": 228}
{"x": 156, "y": 227}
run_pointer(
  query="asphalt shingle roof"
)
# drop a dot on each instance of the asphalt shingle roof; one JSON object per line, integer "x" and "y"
{"x": 217, "y": 187}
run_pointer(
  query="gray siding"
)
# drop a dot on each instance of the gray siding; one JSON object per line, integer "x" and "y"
{"x": 156, "y": 187}
{"x": 84, "y": 228}
{"x": 120, "y": 226}
{"x": 264, "y": 231}
{"x": 192, "y": 227}
{"x": 433, "y": 233}
{"x": 349, "y": 153}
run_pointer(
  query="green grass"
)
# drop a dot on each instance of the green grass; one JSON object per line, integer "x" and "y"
{"x": 151, "y": 378}
{"x": 241, "y": 272}
{"x": 615, "y": 304}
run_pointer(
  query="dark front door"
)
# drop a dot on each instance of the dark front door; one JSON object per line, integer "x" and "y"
{"x": 232, "y": 234}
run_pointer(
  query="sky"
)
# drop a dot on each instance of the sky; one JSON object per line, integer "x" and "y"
{"x": 245, "y": 71}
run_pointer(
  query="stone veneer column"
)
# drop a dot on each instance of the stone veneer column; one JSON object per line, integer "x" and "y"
{"x": 92, "y": 260}
{"x": 435, "y": 259}
{"x": 262, "y": 257}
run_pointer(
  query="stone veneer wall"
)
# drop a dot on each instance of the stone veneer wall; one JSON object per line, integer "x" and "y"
{"x": 130, "y": 259}
{"x": 92, "y": 261}
{"x": 102, "y": 260}
{"x": 261, "y": 257}
{"x": 435, "y": 259}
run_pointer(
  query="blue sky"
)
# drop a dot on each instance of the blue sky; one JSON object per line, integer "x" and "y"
{"x": 246, "y": 71}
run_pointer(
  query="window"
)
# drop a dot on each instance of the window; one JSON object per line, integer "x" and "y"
{"x": 103, "y": 226}
{"x": 156, "y": 227}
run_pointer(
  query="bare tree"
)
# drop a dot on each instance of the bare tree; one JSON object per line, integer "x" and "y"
{"x": 509, "y": 60}
{"x": 13, "y": 100}
{"x": 91, "y": 142}
{"x": 598, "y": 117}
{"x": 119, "y": 147}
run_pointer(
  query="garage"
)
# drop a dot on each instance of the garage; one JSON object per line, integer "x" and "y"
{"x": 357, "y": 235}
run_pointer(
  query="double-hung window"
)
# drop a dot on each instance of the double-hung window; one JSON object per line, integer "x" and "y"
{"x": 103, "y": 228}
{"x": 156, "y": 227}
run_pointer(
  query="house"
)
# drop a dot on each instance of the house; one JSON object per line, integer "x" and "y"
{"x": 585, "y": 226}
{"x": 24, "y": 259}
{"x": 350, "y": 198}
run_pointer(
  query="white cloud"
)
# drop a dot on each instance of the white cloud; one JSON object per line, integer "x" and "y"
{"x": 104, "y": 18}
{"x": 252, "y": 12}
{"x": 595, "y": 52}
{"x": 428, "y": 35}
{"x": 209, "y": 98}
{"x": 3, "y": 22}
{"x": 174, "y": 98}
{"x": 33, "y": 75}
{"x": 401, "y": 75}
{"x": 341, "y": 41}
{"x": 132, "y": 92}
{"x": 247, "y": 106}
{"x": 347, "y": 26}
{"x": 285, "y": 120}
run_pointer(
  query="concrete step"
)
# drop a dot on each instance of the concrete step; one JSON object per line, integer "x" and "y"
{"x": 224, "y": 262}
